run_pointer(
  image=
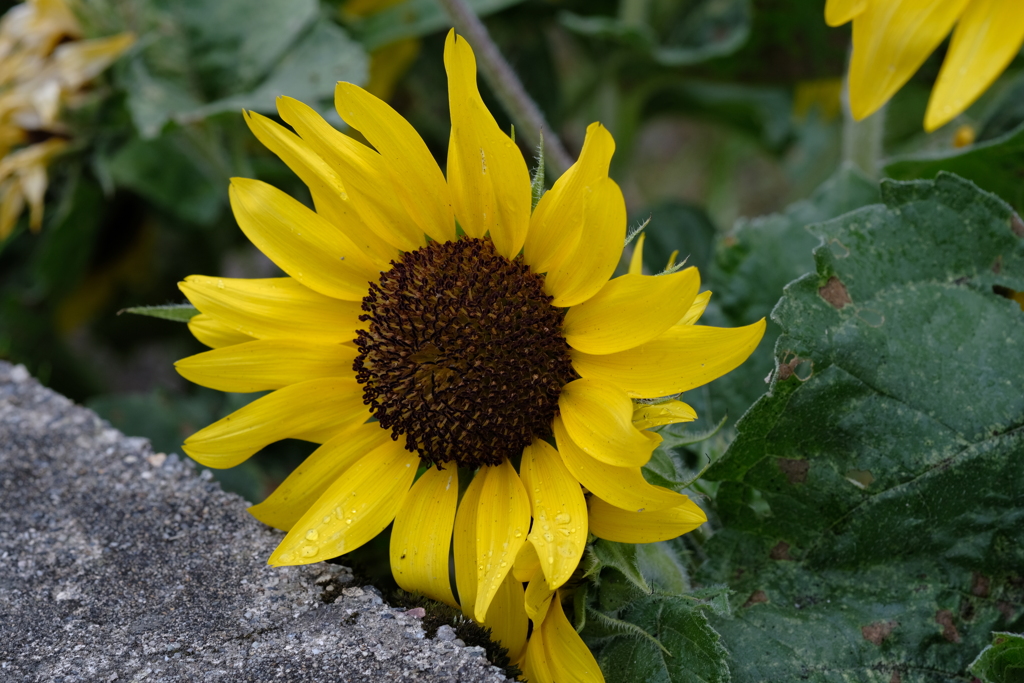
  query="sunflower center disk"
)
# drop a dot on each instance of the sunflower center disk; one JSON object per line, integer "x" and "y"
{"x": 463, "y": 353}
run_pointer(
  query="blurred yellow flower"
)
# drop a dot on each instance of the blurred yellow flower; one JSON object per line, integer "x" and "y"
{"x": 43, "y": 63}
{"x": 892, "y": 39}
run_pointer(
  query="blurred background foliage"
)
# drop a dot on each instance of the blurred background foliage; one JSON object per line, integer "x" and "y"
{"x": 730, "y": 135}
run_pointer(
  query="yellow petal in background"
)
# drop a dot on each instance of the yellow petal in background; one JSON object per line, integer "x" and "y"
{"x": 599, "y": 418}
{"x": 636, "y": 261}
{"x": 891, "y": 40}
{"x": 987, "y": 37}
{"x": 363, "y": 171}
{"x": 570, "y": 659}
{"x": 527, "y": 563}
{"x": 535, "y": 661}
{"x": 696, "y": 309}
{"x": 622, "y": 526}
{"x": 423, "y": 533}
{"x": 274, "y": 308}
{"x": 557, "y": 220}
{"x": 308, "y": 481}
{"x": 307, "y": 411}
{"x": 629, "y": 311}
{"x": 622, "y": 486}
{"x": 266, "y": 364}
{"x": 215, "y": 334}
{"x": 464, "y": 545}
{"x": 507, "y": 617}
{"x": 587, "y": 268}
{"x": 502, "y": 522}
{"x": 647, "y": 415}
{"x": 355, "y": 508}
{"x": 417, "y": 181}
{"x": 559, "y": 532}
{"x": 685, "y": 357}
{"x": 538, "y": 598}
{"x": 489, "y": 181}
{"x": 838, "y": 12}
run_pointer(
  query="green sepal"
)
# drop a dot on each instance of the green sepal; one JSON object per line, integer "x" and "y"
{"x": 180, "y": 313}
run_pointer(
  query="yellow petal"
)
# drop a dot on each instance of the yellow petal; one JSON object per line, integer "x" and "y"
{"x": 308, "y": 481}
{"x": 535, "y": 662}
{"x": 538, "y": 597}
{"x": 330, "y": 196}
{"x": 587, "y": 269}
{"x": 502, "y": 522}
{"x": 696, "y": 309}
{"x": 559, "y": 531}
{"x": 629, "y": 311}
{"x": 987, "y": 37}
{"x": 685, "y": 357}
{"x": 557, "y": 221}
{"x": 355, "y": 508}
{"x": 599, "y": 418}
{"x": 423, "y": 533}
{"x": 266, "y": 364}
{"x": 615, "y": 524}
{"x": 489, "y": 181}
{"x": 891, "y": 40}
{"x": 313, "y": 411}
{"x": 527, "y": 563}
{"x": 215, "y": 334}
{"x": 464, "y": 542}
{"x": 621, "y": 486}
{"x": 838, "y": 12}
{"x": 570, "y": 660}
{"x": 636, "y": 261}
{"x": 417, "y": 181}
{"x": 646, "y": 415}
{"x": 507, "y": 617}
{"x": 274, "y": 308}
{"x": 301, "y": 242}
{"x": 363, "y": 171}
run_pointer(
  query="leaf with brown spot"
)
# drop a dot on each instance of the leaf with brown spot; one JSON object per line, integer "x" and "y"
{"x": 944, "y": 618}
{"x": 834, "y": 292}
{"x": 878, "y": 631}
{"x": 795, "y": 470}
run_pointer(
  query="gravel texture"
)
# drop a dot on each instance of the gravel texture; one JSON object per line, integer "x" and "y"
{"x": 120, "y": 564}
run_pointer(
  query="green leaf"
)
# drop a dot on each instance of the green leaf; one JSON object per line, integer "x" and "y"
{"x": 994, "y": 165}
{"x": 414, "y": 18}
{"x": 181, "y": 313}
{"x": 872, "y": 505}
{"x": 622, "y": 557}
{"x": 674, "y": 34}
{"x": 1002, "y": 661}
{"x": 752, "y": 265}
{"x": 693, "y": 652}
{"x": 203, "y": 58}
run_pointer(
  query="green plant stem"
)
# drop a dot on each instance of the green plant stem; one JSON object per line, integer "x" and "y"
{"x": 524, "y": 112}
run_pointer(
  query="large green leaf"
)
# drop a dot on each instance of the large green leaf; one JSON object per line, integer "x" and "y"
{"x": 753, "y": 264}
{"x": 995, "y": 165}
{"x": 873, "y": 501}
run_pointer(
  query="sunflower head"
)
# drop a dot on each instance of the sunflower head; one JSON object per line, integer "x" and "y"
{"x": 413, "y": 354}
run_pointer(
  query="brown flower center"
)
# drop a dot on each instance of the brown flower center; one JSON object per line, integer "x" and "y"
{"x": 463, "y": 353}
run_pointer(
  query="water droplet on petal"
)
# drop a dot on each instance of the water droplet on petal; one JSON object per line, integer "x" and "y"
{"x": 310, "y": 551}
{"x": 312, "y": 535}
{"x": 563, "y": 518}
{"x": 348, "y": 521}
{"x": 518, "y": 533}
{"x": 326, "y": 520}
{"x": 548, "y": 537}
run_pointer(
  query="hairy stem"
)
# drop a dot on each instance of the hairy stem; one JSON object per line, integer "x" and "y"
{"x": 507, "y": 87}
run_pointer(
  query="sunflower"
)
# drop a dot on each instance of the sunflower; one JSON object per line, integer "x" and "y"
{"x": 43, "y": 63}
{"x": 892, "y": 38}
{"x": 502, "y": 358}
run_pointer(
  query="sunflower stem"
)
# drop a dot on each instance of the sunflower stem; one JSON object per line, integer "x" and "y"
{"x": 507, "y": 86}
{"x": 862, "y": 140}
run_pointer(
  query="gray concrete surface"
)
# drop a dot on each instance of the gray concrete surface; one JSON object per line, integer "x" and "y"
{"x": 120, "y": 564}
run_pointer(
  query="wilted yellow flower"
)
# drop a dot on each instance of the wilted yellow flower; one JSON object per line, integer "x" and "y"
{"x": 43, "y": 63}
{"x": 892, "y": 39}
{"x": 401, "y": 345}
